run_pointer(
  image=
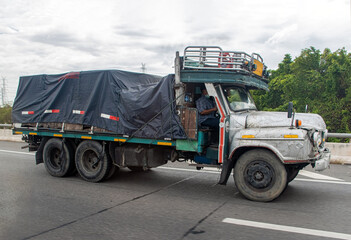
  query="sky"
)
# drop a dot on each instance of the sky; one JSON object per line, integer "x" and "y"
{"x": 59, "y": 36}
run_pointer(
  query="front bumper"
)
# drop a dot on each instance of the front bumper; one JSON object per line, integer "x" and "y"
{"x": 323, "y": 161}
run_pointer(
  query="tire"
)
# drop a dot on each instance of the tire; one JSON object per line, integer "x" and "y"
{"x": 260, "y": 176}
{"x": 58, "y": 163}
{"x": 138, "y": 169}
{"x": 88, "y": 164}
{"x": 292, "y": 172}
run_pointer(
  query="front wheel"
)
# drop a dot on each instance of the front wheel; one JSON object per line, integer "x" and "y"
{"x": 260, "y": 176}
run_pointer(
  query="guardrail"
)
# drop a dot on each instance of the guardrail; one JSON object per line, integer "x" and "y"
{"x": 339, "y": 135}
{"x": 5, "y": 125}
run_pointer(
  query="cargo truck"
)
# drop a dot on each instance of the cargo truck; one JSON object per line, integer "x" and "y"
{"x": 95, "y": 122}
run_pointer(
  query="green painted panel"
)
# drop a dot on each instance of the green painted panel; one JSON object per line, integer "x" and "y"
{"x": 95, "y": 136}
{"x": 186, "y": 145}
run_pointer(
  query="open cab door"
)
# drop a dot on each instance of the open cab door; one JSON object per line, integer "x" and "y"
{"x": 217, "y": 93}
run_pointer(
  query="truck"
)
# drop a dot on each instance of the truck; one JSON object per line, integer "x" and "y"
{"x": 95, "y": 122}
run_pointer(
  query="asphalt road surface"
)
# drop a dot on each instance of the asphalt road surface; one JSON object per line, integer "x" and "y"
{"x": 174, "y": 201}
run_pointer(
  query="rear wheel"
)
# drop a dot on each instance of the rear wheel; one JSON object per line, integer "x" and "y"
{"x": 260, "y": 176}
{"x": 58, "y": 157}
{"x": 92, "y": 162}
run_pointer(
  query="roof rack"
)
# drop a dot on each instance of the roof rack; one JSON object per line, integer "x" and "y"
{"x": 214, "y": 58}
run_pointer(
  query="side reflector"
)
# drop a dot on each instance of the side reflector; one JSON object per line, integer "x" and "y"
{"x": 85, "y": 137}
{"x": 78, "y": 112}
{"x": 119, "y": 140}
{"x": 52, "y": 111}
{"x": 291, "y": 136}
{"x": 248, "y": 136}
{"x": 164, "y": 143}
{"x": 27, "y": 112}
{"x": 114, "y": 118}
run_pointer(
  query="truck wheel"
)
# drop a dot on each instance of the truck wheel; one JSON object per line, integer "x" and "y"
{"x": 292, "y": 173}
{"x": 92, "y": 164}
{"x": 58, "y": 157}
{"x": 260, "y": 176}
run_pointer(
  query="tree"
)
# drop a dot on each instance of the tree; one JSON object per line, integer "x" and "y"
{"x": 5, "y": 114}
{"x": 321, "y": 80}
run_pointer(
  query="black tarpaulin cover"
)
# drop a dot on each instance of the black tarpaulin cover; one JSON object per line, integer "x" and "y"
{"x": 123, "y": 102}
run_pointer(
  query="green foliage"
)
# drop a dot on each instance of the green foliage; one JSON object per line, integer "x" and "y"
{"x": 320, "y": 80}
{"x": 5, "y": 114}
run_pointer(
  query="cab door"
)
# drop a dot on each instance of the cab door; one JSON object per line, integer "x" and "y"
{"x": 217, "y": 93}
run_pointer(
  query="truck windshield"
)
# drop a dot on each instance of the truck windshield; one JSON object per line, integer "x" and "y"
{"x": 239, "y": 99}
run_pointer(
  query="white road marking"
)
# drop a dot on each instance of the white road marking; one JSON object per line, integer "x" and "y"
{"x": 283, "y": 228}
{"x": 317, "y": 176}
{"x": 322, "y": 181}
{"x": 186, "y": 170}
{"x": 25, "y": 153}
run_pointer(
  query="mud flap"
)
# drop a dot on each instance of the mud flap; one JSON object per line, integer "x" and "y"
{"x": 227, "y": 167}
{"x": 39, "y": 153}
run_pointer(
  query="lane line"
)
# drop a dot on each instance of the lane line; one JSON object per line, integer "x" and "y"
{"x": 321, "y": 181}
{"x": 25, "y": 153}
{"x": 284, "y": 228}
{"x": 187, "y": 170}
{"x": 317, "y": 176}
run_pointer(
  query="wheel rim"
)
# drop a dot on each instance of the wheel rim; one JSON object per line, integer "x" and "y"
{"x": 91, "y": 162}
{"x": 259, "y": 175}
{"x": 54, "y": 158}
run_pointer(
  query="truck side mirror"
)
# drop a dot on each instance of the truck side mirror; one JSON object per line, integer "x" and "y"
{"x": 290, "y": 109}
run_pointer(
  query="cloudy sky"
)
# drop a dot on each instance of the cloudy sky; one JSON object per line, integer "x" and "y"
{"x": 57, "y": 36}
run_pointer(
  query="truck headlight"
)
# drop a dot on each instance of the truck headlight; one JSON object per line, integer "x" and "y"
{"x": 317, "y": 139}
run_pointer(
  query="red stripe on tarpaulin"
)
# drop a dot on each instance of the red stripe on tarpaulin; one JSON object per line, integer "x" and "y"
{"x": 114, "y": 118}
{"x": 71, "y": 75}
{"x": 55, "y": 110}
{"x": 27, "y": 112}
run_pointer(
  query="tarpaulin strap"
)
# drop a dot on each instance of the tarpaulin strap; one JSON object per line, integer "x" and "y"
{"x": 101, "y": 154}
{"x": 62, "y": 150}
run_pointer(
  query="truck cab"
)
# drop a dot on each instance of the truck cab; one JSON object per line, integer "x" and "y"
{"x": 265, "y": 149}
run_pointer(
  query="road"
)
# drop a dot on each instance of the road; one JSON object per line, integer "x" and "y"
{"x": 171, "y": 202}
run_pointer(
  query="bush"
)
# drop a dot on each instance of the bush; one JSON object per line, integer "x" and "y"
{"x": 5, "y": 114}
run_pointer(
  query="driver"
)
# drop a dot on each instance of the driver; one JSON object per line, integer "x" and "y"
{"x": 207, "y": 110}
